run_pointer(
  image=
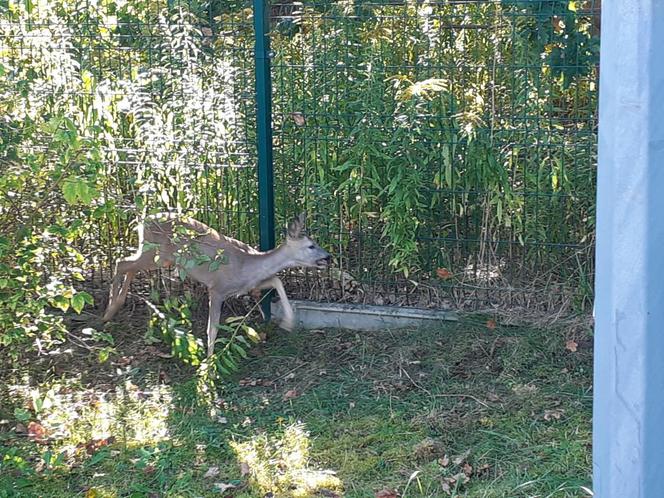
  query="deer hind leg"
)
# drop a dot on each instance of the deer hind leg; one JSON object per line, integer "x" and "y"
{"x": 214, "y": 315}
{"x": 125, "y": 270}
{"x": 288, "y": 322}
{"x": 256, "y": 295}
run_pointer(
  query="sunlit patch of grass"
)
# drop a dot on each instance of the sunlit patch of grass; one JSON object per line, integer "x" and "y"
{"x": 279, "y": 464}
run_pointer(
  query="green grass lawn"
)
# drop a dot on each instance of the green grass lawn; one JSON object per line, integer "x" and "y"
{"x": 459, "y": 410}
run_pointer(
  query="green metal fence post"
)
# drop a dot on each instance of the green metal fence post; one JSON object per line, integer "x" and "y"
{"x": 264, "y": 130}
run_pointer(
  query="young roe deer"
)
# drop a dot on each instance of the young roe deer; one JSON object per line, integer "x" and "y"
{"x": 226, "y": 266}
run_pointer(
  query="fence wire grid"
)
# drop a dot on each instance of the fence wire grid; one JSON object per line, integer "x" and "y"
{"x": 444, "y": 151}
{"x": 447, "y": 147}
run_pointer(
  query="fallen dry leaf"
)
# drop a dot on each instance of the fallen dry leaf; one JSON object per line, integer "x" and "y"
{"x": 571, "y": 346}
{"x": 124, "y": 361}
{"x": 245, "y": 470}
{"x": 223, "y": 486}
{"x": 298, "y": 117}
{"x": 462, "y": 478}
{"x": 20, "y": 428}
{"x": 459, "y": 459}
{"x": 558, "y": 24}
{"x": 554, "y": 414}
{"x": 212, "y": 472}
{"x": 492, "y": 396}
{"x": 467, "y": 469}
{"x": 449, "y": 483}
{"x": 386, "y": 493}
{"x": 290, "y": 394}
{"x": 94, "y": 445}
{"x": 443, "y": 273}
{"x": 446, "y": 486}
{"x": 491, "y": 324}
{"x": 445, "y": 461}
{"x": 483, "y": 469}
{"x": 36, "y": 432}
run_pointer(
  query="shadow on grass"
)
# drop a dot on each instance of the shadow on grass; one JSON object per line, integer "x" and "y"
{"x": 459, "y": 410}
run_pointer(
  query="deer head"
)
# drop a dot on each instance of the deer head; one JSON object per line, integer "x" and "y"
{"x": 303, "y": 250}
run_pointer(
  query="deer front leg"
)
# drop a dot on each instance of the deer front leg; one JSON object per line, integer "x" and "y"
{"x": 216, "y": 299}
{"x": 289, "y": 317}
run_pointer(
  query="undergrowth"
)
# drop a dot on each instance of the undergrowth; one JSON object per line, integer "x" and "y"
{"x": 459, "y": 410}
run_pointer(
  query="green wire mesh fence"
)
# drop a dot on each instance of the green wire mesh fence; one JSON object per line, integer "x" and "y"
{"x": 447, "y": 148}
{"x": 444, "y": 150}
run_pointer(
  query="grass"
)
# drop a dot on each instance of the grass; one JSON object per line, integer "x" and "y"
{"x": 459, "y": 410}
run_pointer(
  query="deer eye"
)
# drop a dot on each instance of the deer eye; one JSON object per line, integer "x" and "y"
{"x": 312, "y": 247}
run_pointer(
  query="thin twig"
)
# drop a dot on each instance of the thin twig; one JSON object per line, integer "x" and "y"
{"x": 79, "y": 342}
{"x": 415, "y": 383}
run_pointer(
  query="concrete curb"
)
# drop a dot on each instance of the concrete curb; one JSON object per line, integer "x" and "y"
{"x": 312, "y": 315}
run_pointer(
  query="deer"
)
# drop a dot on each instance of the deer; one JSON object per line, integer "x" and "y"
{"x": 226, "y": 266}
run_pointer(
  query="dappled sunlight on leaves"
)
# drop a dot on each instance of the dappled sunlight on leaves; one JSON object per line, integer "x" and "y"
{"x": 81, "y": 422}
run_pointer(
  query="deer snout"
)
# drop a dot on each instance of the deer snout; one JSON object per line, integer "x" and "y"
{"x": 325, "y": 260}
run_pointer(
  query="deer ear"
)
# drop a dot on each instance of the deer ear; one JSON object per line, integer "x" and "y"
{"x": 295, "y": 228}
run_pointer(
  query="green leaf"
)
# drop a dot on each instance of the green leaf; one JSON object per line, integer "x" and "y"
{"x": 103, "y": 355}
{"x": 87, "y": 297}
{"x": 103, "y": 336}
{"x": 240, "y": 350}
{"x": 61, "y": 302}
{"x": 227, "y": 359}
{"x": 21, "y": 415}
{"x": 85, "y": 193}
{"x": 77, "y": 303}
{"x": 70, "y": 191}
{"x": 100, "y": 456}
{"x": 214, "y": 265}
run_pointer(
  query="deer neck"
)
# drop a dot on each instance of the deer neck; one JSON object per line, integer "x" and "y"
{"x": 271, "y": 262}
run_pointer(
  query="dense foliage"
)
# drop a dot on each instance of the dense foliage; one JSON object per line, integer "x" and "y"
{"x": 422, "y": 134}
